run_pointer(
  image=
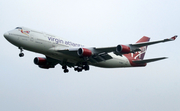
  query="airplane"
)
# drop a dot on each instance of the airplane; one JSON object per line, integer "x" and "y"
{"x": 69, "y": 54}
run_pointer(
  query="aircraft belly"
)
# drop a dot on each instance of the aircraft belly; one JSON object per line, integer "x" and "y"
{"x": 114, "y": 63}
{"x": 63, "y": 57}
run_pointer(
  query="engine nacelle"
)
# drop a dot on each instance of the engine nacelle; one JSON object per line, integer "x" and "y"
{"x": 123, "y": 49}
{"x": 45, "y": 66}
{"x": 40, "y": 61}
{"x": 84, "y": 52}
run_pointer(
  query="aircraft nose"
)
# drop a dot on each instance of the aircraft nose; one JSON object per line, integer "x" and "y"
{"x": 6, "y": 35}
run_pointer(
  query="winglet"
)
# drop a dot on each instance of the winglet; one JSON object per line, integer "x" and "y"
{"x": 173, "y": 38}
{"x": 170, "y": 39}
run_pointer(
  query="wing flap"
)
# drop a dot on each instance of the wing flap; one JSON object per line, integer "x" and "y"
{"x": 100, "y": 57}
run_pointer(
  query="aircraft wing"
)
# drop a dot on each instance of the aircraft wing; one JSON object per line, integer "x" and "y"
{"x": 94, "y": 54}
{"x": 153, "y": 42}
{"x": 133, "y": 47}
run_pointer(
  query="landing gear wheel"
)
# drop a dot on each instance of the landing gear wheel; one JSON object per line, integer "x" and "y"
{"x": 76, "y": 68}
{"x": 85, "y": 66}
{"x": 21, "y": 54}
{"x": 79, "y": 69}
{"x": 66, "y": 70}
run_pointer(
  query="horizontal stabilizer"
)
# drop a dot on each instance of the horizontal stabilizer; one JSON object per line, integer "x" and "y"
{"x": 148, "y": 60}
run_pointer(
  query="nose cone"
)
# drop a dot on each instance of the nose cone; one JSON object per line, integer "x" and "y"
{"x": 12, "y": 37}
{"x": 6, "y": 35}
{"x": 9, "y": 37}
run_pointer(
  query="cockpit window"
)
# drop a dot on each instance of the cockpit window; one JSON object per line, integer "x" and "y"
{"x": 18, "y": 28}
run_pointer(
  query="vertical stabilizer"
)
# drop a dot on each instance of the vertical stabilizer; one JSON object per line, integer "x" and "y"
{"x": 140, "y": 55}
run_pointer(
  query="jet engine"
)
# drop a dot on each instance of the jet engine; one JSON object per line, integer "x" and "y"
{"x": 84, "y": 52}
{"x": 42, "y": 62}
{"x": 45, "y": 66}
{"x": 123, "y": 49}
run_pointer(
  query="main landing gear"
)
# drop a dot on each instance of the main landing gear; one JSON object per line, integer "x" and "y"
{"x": 21, "y": 54}
{"x": 84, "y": 66}
{"x": 65, "y": 69}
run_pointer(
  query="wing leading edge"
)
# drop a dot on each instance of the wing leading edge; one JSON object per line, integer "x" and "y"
{"x": 153, "y": 42}
{"x": 134, "y": 47}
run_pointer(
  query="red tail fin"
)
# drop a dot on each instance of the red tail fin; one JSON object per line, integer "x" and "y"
{"x": 140, "y": 55}
{"x": 143, "y": 39}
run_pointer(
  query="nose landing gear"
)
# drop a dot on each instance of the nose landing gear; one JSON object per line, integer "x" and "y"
{"x": 21, "y": 54}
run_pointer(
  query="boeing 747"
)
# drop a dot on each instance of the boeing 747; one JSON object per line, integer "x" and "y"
{"x": 69, "y": 54}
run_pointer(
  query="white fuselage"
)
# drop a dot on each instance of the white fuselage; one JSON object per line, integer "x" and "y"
{"x": 48, "y": 45}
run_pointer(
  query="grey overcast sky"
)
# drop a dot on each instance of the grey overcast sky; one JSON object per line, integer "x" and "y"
{"x": 156, "y": 87}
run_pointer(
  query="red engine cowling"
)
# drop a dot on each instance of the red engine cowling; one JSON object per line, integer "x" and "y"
{"x": 84, "y": 52}
{"x": 40, "y": 61}
{"x": 43, "y": 63}
{"x": 123, "y": 49}
{"x": 45, "y": 66}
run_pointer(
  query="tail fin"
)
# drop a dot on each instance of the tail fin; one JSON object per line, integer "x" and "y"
{"x": 140, "y": 55}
